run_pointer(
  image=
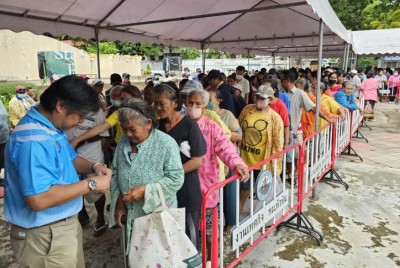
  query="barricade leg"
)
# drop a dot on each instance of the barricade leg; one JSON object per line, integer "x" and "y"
{"x": 359, "y": 135}
{"x": 350, "y": 149}
{"x": 364, "y": 124}
{"x": 333, "y": 176}
{"x": 298, "y": 221}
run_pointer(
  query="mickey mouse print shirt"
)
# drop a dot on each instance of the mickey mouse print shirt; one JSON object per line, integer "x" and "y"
{"x": 262, "y": 134}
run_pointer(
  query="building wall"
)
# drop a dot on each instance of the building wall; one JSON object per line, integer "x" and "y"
{"x": 18, "y": 54}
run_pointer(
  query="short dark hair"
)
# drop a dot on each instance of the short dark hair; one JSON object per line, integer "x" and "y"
{"x": 171, "y": 91}
{"x": 240, "y": 68}
{"x": 115, "y": 79}
{"x": 74, "y": 93}
{"x": 133, "y": 91}
{"x": 289, "y": 75}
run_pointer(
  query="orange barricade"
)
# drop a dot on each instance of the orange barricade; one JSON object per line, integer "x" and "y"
{"x": 262, "y": 215}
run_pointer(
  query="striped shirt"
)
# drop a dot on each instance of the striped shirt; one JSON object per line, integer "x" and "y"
{"x": 37, "y": 156}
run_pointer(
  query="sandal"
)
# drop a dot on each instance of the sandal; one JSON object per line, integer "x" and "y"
{"x": 98, "y": 231}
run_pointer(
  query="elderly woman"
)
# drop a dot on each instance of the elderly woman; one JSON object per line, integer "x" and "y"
{"x": 185, "y": 131}
{"x": 144, "y": 156}
{"x": 218, "y": 145}
{"x": 345, "y": 96}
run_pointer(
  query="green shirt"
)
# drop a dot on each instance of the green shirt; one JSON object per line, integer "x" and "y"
{"x": 158, "y": 161}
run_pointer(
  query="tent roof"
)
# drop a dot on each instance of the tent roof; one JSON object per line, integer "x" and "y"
{"x": 376, "y": 42}
{"x": 260, "y": 27}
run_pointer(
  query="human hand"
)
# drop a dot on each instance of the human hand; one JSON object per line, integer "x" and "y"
{"x": 102, "y": 183}
{"x": 74, "y": 142}
{"x": 101, "y": 170}
{"x": 135, "y": 194}
{"x": 120, "y": 211}
{"x": 244, "y": 172}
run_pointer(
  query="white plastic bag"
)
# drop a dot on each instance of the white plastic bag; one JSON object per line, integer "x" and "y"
{"x": 159, "y": 240}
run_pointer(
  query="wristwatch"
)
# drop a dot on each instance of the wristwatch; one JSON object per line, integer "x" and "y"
{"x": 92, "y": 184}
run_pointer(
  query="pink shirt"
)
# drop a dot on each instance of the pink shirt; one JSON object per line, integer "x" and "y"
{"x": 369, "y": 87}
{"x": 394, "y": 81}
{"x": 218, "y": 145}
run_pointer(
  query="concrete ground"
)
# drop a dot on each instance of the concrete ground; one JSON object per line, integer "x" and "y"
{"x": 360, "y": 226}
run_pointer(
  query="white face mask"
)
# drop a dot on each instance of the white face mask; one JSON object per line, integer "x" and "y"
{"x": 115, "y": 103}
{"x": 239, "y": 77}
{"x": 261, "y": 104}
{"x": 194, "y": 113}
{"x": 22, "y": 96}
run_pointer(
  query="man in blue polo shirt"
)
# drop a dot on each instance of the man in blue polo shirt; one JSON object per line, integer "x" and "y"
{"x": 43, "y": 193}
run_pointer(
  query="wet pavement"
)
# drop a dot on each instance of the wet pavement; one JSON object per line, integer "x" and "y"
{"x": 360, "y": 226}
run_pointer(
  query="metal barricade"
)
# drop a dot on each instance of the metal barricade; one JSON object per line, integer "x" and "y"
{"x": 342, "y": 134}
{"x": 262, "y": 217}
{"x": 317, "y": 156}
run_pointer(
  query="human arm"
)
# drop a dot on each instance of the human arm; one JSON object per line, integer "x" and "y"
{"x": 193, "y": 164}
{"x": 41, "y": 183}
{"x": 286, "y": 137}
{"x": 61, "y": 194}
{"x": 90, "y": 134}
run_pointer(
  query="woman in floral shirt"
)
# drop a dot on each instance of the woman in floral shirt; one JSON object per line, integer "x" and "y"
{"x": 144, "y": 156}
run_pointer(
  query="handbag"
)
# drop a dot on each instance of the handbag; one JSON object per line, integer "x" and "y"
{"x": 159, "y": 239}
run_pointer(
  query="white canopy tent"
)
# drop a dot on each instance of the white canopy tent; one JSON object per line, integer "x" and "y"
{"x": 376, "y": 42}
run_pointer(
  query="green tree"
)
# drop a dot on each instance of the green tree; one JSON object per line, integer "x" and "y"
{"x": 128, "y": 48}
{"x": 387, "y": 20}
{"x": 104, "y": 48}
{"x": 358, "y": 14}
{"x": 151, "y": 50}
{"x": 190, "y": 53}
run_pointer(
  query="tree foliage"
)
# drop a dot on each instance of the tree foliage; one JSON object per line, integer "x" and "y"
{"x": 190, "y": 53}
{"x": 367, "y": 14}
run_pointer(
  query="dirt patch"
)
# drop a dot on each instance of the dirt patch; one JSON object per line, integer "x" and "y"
{"x": 379, "y": 233}
{"x": 330, "y": 222}
{"x": 394, "y": 258}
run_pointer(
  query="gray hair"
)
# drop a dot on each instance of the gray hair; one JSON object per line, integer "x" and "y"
{"x": 348, "y": 82}
{"x": 204, "y": 95}
{"x": 192, "y": 85}
{"x": 139, "y": 111}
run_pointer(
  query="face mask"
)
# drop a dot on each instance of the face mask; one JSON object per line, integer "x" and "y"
{"x": 115, "y": 103}
{"x": 239, "y": 77}
{"x": 210, "y": 106}
{"x": 22, "y": 96}
{"x": 194, "y": 113}
{"x": 261, "y": 104}
{"x": 332, "y": 82}
{"x": 395, "y": 74}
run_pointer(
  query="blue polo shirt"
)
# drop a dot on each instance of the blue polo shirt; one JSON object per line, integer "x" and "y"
{"x": 37, "y": 156}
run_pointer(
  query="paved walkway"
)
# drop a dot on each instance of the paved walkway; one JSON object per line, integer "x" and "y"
{"x": 360, "y": 226}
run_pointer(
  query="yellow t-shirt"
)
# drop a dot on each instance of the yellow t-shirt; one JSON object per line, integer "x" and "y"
{"x": 262, "y": 135}
{"x": 332, "y": 107}
{"x": 113, "y": 121}
{"x": 215, "y": 117}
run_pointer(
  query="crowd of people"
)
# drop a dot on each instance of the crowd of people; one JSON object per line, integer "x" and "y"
{"x": 185, "y": 136}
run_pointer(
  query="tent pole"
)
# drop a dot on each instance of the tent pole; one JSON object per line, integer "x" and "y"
{"x": 347, "y": 58}
{"x": 321, "y": 37}
{"x": 203, "y": 58}
{"x": 273, "y": 59}
{"x": 248, "y": 60}
{"x": 96, "y": 34}
{"x": 355, "y": 61}
{"x": 344, "y": 55}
